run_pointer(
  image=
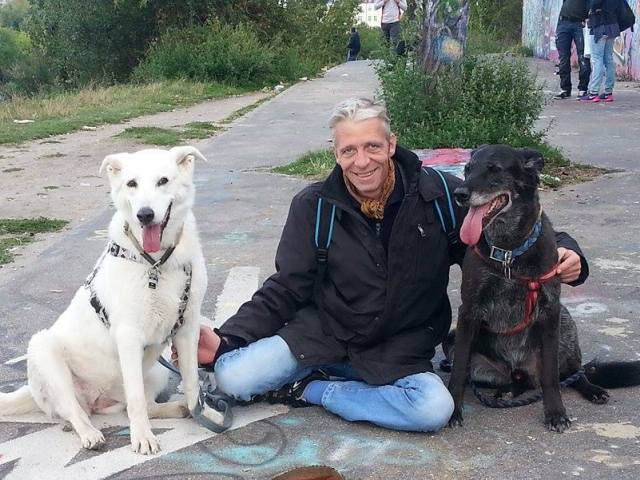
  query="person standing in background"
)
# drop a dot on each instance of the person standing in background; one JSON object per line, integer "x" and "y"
{"x": 570, "y": 30}
{"x": 392, "y": 11}
{"x": 353, "y": 47}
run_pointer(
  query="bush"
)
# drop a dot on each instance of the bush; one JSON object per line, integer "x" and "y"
{"x": 14, "y": 48}
{"x": 371, "y": 42}
{"x": 490, "y": 99}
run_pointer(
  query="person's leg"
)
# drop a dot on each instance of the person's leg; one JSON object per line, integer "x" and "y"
{"x": 419, "y": 402}
{"x": 610, "y": 67}
{"x": 563, "y": 44}
{"x": 262, "y": 366}
{"x": 394, "y": 35}
{"x": 597, "y": 65}
{"x": 583, "y": 63}
{"x": 386, "y": 30}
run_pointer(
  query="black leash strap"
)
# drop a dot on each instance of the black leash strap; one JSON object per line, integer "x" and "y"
{"x": 208, "y": 399}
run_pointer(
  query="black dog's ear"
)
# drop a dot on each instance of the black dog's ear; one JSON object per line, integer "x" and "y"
{"x": 532, "y": 159}
{"x": 478, "y": 148}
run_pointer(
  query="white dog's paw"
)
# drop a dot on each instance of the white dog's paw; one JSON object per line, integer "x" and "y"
{"x": 91, "y": 438}
{"x": 144, "y": 441}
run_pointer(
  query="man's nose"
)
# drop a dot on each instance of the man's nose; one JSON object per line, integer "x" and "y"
{"x": 362, "y": 159}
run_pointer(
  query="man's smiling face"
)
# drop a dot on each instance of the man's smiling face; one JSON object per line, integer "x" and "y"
{"x": 363, "y": 150}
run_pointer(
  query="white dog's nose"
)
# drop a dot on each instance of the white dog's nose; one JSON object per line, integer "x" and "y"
{"x": 145, "y": 215}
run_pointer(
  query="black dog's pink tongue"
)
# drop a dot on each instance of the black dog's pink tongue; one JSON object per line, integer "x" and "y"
{"x": 472, "y": 225}
{"x": 151, "y": 236}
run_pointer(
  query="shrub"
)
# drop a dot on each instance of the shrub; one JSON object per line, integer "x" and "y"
{"x": 489, "y": 99}
{"x": 371, "y": 42}
{"x": 14, "y": 47}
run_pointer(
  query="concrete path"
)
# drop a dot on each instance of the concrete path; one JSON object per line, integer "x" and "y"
{"x": 241, "y": 209}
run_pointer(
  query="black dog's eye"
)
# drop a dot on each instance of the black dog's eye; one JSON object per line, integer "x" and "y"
{"x": 132, "y": 184}
{"x": 494, "y": 167}
{"x": 162, "y": 181}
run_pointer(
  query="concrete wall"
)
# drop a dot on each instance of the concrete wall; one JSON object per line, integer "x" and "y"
{"x": 539, "y": 19}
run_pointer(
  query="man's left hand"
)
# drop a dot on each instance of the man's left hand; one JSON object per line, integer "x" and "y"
{"x": 569, "y": 265}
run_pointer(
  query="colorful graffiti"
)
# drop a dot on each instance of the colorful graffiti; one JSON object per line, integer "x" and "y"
{"x": 539, "y": 19}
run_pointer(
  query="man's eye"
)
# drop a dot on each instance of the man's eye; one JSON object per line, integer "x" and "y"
{"x": 162, "y": 181}
{"x": 132, "y": 184}
{"x": 348, "y": 152}
{"x": 373, "y": 148}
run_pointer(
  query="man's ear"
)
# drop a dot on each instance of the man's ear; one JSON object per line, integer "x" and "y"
{"x": 112, "y": 164}
{"x": 185, "y": 156}
{"x": 393, "y": 141}
{"x": 533, "y": 159}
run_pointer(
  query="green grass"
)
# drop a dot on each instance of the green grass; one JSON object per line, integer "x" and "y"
{"x": 316, "y": 164}
{"x": 170, "y": 137}
{"x": 67, "y": 112}
{"x": 244, "y": 110}
{"x": 20, "y": 231}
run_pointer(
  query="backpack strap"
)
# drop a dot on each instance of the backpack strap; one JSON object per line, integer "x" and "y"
{"x": 447, "y": 227}
{"x": 324, "y": 232}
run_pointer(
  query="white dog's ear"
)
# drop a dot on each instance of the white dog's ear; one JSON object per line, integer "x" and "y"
{"x": 185, "y": 156}
{"x": 112, "y": 164}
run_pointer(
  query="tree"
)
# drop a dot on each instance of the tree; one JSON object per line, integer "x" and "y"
{"x": 444, "y": 33}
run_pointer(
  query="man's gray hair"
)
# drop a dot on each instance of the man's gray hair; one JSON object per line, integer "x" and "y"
{"x": 357, "y": 109}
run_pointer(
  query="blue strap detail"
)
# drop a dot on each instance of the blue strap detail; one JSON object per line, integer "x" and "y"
{"x": 446, "y": 189}
{"x": 508, "y": 256}
{"x": 318, "y": 221}
{"x": 444, "y": 227}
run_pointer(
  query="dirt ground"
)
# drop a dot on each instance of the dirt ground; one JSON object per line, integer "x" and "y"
{"x": 58, "y": 177}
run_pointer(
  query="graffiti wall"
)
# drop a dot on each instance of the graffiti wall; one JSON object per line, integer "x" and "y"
{"x": 539, "y": 19}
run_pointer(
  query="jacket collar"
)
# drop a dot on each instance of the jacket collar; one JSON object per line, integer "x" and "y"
{"x": 334, "y": 189}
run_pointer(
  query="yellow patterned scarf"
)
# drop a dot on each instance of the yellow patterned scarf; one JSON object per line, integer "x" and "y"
{"x": 374, "y": 208}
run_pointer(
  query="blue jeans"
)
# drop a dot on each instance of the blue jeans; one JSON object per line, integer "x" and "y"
{"x": 568, "y": 32}
{"x": 417, "y": 402}
{"x": 603, "y": 66}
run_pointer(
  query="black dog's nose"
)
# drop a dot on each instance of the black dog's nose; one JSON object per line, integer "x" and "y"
{"x": 461, "y": 194}
{"x": 145, "y": 215}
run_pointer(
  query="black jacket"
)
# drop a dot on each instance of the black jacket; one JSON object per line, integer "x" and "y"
{"x": 576, "y": 10}
{"x": 354, "y": 42}
{"x": 384, "y": 313}
{"x": 603, "y": 12}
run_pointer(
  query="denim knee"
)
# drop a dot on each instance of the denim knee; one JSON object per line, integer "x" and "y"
{"x": 228, "y": 378}
{"x": 431, "y": 404}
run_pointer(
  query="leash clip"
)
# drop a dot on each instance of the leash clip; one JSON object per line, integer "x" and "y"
{"x": 153, "y": 274}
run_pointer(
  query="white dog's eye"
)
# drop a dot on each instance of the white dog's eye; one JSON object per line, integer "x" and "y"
{"x": 132, "y": 184}
{"x": 162, "y": 181}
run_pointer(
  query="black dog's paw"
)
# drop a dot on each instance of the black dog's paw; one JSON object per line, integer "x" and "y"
{"x": 598, "y": 395}
{"x": 557, "y": 422}
{"x": 456, "y": 418}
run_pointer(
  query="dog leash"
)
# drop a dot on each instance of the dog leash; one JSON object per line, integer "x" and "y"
{"x": 208, "y": 398}
{"x": 533, "y": 286}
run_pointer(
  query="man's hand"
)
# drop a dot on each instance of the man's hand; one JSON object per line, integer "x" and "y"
{"x": 208, "y": 344}
{"x": 569, "y": 265}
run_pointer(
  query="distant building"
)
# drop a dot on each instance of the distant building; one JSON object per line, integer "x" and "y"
{"x": 368, "y": 15}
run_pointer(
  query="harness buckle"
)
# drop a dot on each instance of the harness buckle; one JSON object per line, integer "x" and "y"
{"x": 153, "y": 274}
{"x": 321, "y": 255}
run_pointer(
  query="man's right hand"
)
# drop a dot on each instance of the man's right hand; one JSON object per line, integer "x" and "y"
{"x": 208, "y": 344}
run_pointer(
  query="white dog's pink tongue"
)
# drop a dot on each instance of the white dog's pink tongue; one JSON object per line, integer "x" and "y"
{"x": 472, "y": 225}
{"x": 151, "y": 236}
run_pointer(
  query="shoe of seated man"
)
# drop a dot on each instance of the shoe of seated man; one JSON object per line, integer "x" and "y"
{"x": 562, "y": 95}
{"x": 291, "y": 393}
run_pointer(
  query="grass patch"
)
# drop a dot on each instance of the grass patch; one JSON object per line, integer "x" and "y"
{"x": 20, "y": 231}
{"x": 316, "y": 165}
{"x": 64, "y": 113}
{"x": 244, "y": 110}
{"x": 170, "y": 137}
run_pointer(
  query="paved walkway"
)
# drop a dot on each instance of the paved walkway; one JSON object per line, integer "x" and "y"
{"x": 241, "y": 209}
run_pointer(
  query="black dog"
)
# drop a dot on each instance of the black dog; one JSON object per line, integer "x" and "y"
{"x": 513, "y": 333}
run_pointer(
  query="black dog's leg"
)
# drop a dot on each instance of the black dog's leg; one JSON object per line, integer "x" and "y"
{"x": 591, "y": 392}
{"x": 465, "y": 335}
{"x": 555, "y": 415}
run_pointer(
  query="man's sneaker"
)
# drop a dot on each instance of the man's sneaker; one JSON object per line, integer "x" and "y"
{"x": 582, "y": 95}
{"x": 604, "y": 97}
{"x": 291, "y": 394}
{"x": 562, "y": 95}
{"x": 588, "y": 97}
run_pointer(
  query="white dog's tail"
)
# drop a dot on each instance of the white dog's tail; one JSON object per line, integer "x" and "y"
{"x": 18, "y": 402}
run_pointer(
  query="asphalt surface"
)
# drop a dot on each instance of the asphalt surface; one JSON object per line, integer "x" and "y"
{"x": 241, "y": 208}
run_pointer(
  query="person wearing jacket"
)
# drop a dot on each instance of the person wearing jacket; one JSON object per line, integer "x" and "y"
{"x": 604, "y": 18}
{"x": 359, "y": 339}
{"x": 569, "y": 29}
{"x": 353, "y": 47}
{"x": 392, "y": 11}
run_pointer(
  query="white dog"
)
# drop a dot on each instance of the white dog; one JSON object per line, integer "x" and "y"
{"x": 100, "y": 356}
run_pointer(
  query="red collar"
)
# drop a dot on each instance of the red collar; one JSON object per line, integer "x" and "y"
{"x": 533, "y": 288}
